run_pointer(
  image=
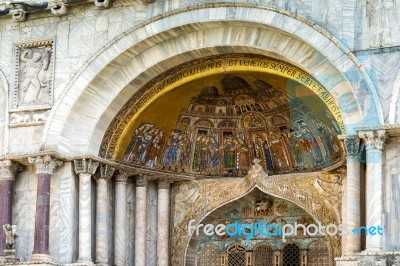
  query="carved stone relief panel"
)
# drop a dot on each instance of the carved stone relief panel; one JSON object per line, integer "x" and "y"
{"x": 33, "y": 82}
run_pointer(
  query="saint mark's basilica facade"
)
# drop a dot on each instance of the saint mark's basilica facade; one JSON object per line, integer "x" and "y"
{"x": 125, "y": 123}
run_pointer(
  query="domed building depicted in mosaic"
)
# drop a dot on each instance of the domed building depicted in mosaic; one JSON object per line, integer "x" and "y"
{"x": 199, "y": 133}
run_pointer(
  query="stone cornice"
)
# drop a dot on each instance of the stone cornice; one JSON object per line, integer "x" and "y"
{"x": 85, "y": 166}
{"x": 8, "y": 169}
{"x": 19, "y": 10}
{"x": 45, "y": 164}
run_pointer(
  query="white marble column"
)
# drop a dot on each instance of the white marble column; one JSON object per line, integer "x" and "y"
{"x": 163, "y": 223}
{"x": 352, "y": 198}
{"x": 102, "y": 223}
{"x": 140, "y": 223}
{"x": 85, "y": 169}
{"x": 120, "y": 219}
{"x": 374, "y": 141}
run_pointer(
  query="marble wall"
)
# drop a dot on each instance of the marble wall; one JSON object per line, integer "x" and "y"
{"x": 392, "y": 194}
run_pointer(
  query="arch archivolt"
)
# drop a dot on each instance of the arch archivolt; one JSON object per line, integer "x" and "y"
{"x": 82, "y": 114}
{"x": 197, "y": 199}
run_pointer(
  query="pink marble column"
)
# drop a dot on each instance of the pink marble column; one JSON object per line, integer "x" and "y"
{"x": 8, "y": 170}
{"x": 352, "y": 198}
{"x": 140, "y": 223}
{"x": 163, "y": 223}
{"x": 102, "y": 223}
{"x": 85, "y": 169}
{"x": 120, "y": 219}
{"x": 45, "y": 166}
{"x": 374, "y": 141}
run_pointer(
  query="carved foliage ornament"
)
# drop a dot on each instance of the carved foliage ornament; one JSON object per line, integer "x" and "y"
{"x": 85, "y": 166}
{"x": 105, "y": 172}
{"x": 8, "y": 169}
{"x": 374, "y": 139}
{"x": 45, "y": 164}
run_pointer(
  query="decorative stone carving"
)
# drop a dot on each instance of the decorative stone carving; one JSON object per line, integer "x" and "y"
{"x": 28, "y": 118}
{"x": 11, "y": 234}
{"x": 352, "y": 145}
{"x": 374, "y": 139}
{"x": 33, "y": 85}
{"x": 196, "y": 199}
{"x": 105, "y": 172}
{"x": 85, "y": 166}
{"x": 281, "y": 209}
{"x": 102, "y": 4}
{"x": 8, "y": 169}
{"x": 141, "y": 181}
{"x": 45, "y": 164}
{"x": 164, "y": 184}
{"x": 121, "y": 177}
{"x": 262, "y": 207}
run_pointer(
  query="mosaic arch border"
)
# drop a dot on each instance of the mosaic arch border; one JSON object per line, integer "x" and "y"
{"x": 223, "y": 192}
{"x": 132, "y": 58}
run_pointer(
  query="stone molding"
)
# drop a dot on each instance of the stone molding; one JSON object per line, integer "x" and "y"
{"x": 45, "y": 164}
{"x": 374, "y": 139}
{"x": 85, "y": 166}
{"x": 8, "y": 169}
{"x": 104, "y": 172}
{"x": 121, "y": 177}
{"x": 164, "y": 184}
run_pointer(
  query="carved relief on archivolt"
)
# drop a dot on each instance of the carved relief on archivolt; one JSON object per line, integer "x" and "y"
{"x": 33, "y": 75}
{"x": 197, "y": 199}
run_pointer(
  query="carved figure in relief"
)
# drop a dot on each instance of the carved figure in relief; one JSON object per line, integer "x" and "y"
{"x": 40, "y": 117}
{"x": 33, "y": 75}
{"x": 20, "y": 118}
{"x": 184, "y": 198}
{"x": 331, "y": 191}
{"x": 11, "y": 234}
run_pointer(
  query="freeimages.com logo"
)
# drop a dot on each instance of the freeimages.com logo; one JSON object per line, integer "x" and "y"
{"x": 250, "y": 231}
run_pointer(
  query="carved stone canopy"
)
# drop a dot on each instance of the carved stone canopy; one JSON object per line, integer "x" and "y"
{"x": 45, "y": 164}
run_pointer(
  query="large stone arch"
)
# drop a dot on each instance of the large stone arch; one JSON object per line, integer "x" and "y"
{"x": 212, "y": 194}
{"x": 3, "y": 114}
{"x": 93, "y": 97}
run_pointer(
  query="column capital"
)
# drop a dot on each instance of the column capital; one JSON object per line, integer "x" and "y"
{"x": 105, "y": 172}
{"x": 351, "y": 144}
{"x": 8, "y": 169}
{"x": 85, "y": 166}
{"x": 374, "y": 139}
{"x": 141, "y": 181}
{"x": 164, "y": 184}
{"x": 121, "y": 177}
{"x": 45, "y": 164}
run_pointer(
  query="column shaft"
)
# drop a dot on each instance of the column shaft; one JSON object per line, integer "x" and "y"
{"x": 42, "y": 218}
{"x": 120, "y": 221}
{"x": 140, "y": 225}
{"x": 101, "y": 222}
{"x": 374, "y": 200}
{"x": 6, "y": 190}
{"x": 163, "y": 224}
{"x": 353, "y": 203}
{"x": 85, "y": 217}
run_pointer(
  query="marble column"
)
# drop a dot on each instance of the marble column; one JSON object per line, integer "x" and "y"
{"x": 102, "y": 223}
{"x": 45, "y": 166}
{"x": 374, "y": 141}
{"x": 140, "y": 223}
{"x": 163, "y": 223}
{"x": 120, "y": 219}
{"x": 85, "y": 169}
{"x": 8, "y": 170}
{"x": 352, "y": 198}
